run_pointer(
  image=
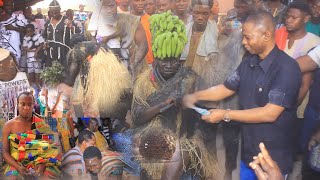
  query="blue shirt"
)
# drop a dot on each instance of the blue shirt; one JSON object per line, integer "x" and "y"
{"x": 275, "y": 80}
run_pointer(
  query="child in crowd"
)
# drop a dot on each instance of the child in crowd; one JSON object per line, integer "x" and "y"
{"x": 32, "y": 44}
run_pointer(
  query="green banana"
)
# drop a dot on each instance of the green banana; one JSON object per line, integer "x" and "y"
{"x": 160, "y": 41}
{"x": 158, "y": 54}
{"x": 174, "y": 42}
{"x": 170, "y": 26}
{"x": 164, "y": 48}
{"x": 168, "y": 43}
{"x": 179, "y": 44}
{"x": 183, "y": 37}
{"x": 178, "y": 27}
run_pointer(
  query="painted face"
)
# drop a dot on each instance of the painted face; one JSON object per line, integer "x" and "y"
{"x": 253, "y": 38}
{"x": 180, "y": 6}
{"x": 215, "y": 8}
{"x": 138, "y": 5}
{"x": 150, "y": 7}
{"x": 163, "y": 5}
{"x": 25, "y": 106}
{"x": 55, "y": 12}
{"x": 200, "y": 14}
{"x": 93, "y": 165}
{"x": 295, "y": 19}
{"x": 29, "y": 32}
{"x": 168, "y": 67}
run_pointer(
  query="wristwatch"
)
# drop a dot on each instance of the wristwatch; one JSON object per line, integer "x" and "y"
{"x": 226, "y": 117}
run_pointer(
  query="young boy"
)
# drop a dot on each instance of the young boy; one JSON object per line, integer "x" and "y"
{"x": 32, "y": 44}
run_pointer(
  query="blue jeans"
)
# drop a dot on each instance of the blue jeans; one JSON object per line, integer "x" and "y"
{"x": 311, "y": 121}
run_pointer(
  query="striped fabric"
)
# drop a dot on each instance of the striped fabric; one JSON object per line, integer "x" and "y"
{"x": 111, "y": 165}
{"x": 73, "y": 163}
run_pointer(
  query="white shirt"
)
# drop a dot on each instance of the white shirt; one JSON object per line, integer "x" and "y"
{"x": 315, "y": 55}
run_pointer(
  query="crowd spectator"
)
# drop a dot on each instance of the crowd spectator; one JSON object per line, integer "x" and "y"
{"x": 11, "y": 25}
{"x": 32, "y": 45}
{"x": 137, "y": 9}
{"x": 39, "y": 14}
{"x": 180, "y": 8}
{"x": 163, "y": 5}
{"x": 313, "y": 25}
{"x": 58, "y": 33}
{"x": 150, "y": 7}
{"x": 123, "y": 6}
{"x": 72, "y": 161}
{"x": 103, "y": 165}
{"x": 276, "y": 9}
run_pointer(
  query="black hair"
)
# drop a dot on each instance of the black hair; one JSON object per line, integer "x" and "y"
{"x": 27, "y": 8}
{"x": 262, "y": 18}
{"x": 31, "y": 26}
{"x": 94, "y": 120}
{"x": 302, "y": 6}
{"x": 202, "y": 2}
{"x": 69, "y": 10}
{"x": 26, "y": 93}
{"x": 85, "y": 135}
{"x": 92, "y": 152}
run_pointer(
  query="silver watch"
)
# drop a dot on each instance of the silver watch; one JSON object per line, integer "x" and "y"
{"x": 226, "y": 117}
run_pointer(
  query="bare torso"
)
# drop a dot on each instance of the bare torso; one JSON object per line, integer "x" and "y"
{"x": 18, "y": 125}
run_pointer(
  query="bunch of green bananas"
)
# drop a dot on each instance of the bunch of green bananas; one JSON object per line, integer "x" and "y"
{"x": 168, "y": 35}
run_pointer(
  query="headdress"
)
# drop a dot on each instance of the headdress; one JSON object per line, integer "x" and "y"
{"x": 168, "y": 35}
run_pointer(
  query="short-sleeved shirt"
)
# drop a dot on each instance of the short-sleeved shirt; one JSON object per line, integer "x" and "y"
{"x": 73, "y": 163}
{"x": 315, "y": 55}
{"x": 275, "y": 80}
{"x": 32, "y": 43}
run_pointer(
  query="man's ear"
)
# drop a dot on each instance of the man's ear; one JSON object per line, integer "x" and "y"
{"x": 267, "y": 36}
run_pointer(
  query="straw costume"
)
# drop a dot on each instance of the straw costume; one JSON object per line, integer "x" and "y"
{"x": 167, "y": 133}
{"x": 101, "y": 82}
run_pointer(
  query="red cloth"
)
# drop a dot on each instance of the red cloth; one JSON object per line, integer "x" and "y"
{"x": 281, "y": 36}
{"x": 146, "y": 26}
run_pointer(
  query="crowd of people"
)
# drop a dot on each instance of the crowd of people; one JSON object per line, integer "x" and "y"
{"x": 161, "y": 89}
